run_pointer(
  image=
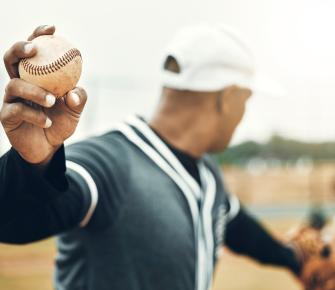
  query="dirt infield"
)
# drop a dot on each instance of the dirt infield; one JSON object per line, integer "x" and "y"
{"x": 27, "y": 267}
{"x": 30, "y": 268}
{"x": 282, "y": 185}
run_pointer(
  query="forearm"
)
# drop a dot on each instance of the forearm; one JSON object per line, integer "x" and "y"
{"x": 35, "y": 204}
{"x": 23, "y": 182}
{"x": 244, "y": 235}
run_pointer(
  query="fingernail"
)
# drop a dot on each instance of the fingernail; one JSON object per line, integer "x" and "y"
{"x": 48, "y": 123}
{"x": 50, "y": 100}
{"x": 75, "y": 98}
{"x": 28, "y": 48}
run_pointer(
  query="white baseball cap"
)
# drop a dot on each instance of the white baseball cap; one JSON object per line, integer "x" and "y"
{"x": 210, "y": 58}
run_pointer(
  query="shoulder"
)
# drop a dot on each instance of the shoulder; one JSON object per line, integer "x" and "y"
{"x": 106, "y": 157}
{"x": 110, "y": 142}
{"x": 112, "y": 145}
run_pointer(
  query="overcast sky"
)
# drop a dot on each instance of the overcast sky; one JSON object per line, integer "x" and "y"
{"x": 121, "y": 43}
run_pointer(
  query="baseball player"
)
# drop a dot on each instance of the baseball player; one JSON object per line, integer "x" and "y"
{"x": 142, "y": 206}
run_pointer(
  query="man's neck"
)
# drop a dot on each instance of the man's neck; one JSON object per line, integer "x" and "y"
{"x": 184, "y": 134}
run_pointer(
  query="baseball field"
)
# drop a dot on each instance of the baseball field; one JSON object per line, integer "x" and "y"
{"x": 278, "y": 196}
{"x": 30, "y": 268}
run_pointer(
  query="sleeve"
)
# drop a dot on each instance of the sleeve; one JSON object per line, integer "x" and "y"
{"x": 34, "y": 206}
{"x": 100, "y": 162}
{"x": 233, "y": 206}
{"x": 245, "y": 235}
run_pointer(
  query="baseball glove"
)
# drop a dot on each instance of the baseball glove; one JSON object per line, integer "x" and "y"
{"x": 319, "y": 273}
{"x": 317, "y": 259}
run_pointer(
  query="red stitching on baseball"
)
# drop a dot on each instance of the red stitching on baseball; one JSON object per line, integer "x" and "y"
{"x": 52, "y": 67}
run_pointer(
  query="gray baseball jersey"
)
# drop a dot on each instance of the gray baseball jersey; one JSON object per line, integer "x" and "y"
{"x": 164, "y": 229}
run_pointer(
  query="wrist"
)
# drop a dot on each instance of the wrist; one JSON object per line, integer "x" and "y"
{"x": 49, "y": 157}
{"x": 41, "y": 165}
{"x": 40, "y": 161}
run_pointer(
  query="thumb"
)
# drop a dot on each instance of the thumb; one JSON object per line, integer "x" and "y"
{"x": 76, "y": 100}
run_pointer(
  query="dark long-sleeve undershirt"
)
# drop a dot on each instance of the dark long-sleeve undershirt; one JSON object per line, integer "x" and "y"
{"x": 246, "y": 236}
{"x": 35, "y": 206}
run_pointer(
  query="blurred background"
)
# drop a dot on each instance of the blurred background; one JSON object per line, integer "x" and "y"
{"x": 281, "y": 162}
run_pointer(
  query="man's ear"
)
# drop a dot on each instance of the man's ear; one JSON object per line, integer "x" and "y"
{"x": 219, "y": 100}
{"x": 228, "y": 97}
{"x": 171, "y": 64}
{"x": 224, "y": 98}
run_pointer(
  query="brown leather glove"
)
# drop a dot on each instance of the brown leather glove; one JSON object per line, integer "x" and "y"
{"x": 317, "y": 259}
{"x": 319, "y": 273}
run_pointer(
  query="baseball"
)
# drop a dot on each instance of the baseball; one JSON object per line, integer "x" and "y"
{"x": 56, "y": 67}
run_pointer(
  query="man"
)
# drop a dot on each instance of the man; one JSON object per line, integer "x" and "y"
{"x": 143, "y": 206}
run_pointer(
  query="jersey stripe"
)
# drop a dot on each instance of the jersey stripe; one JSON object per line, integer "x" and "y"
{"x": 234, "y": 207}
{"x": 165, "y": 151}
{"x": 207, "y": 220}
{"x": 91, "y": 186}
{"x": 152, "y": 154}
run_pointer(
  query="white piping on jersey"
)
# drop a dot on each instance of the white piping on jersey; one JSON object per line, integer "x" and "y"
{"x": 91, "y": 186}
{"x": 234, "y": 207}
{"x": 204, "y": 227}
{"x": 166, "y": 152}
{"x": 210, "y": 184}
{"x": 152, "y": 154}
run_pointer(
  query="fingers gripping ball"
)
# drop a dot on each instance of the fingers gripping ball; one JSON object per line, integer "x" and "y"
{"x": 56, "y": 67}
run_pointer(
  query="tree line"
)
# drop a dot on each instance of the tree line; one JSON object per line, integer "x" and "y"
{"x": 277, "y": 148}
